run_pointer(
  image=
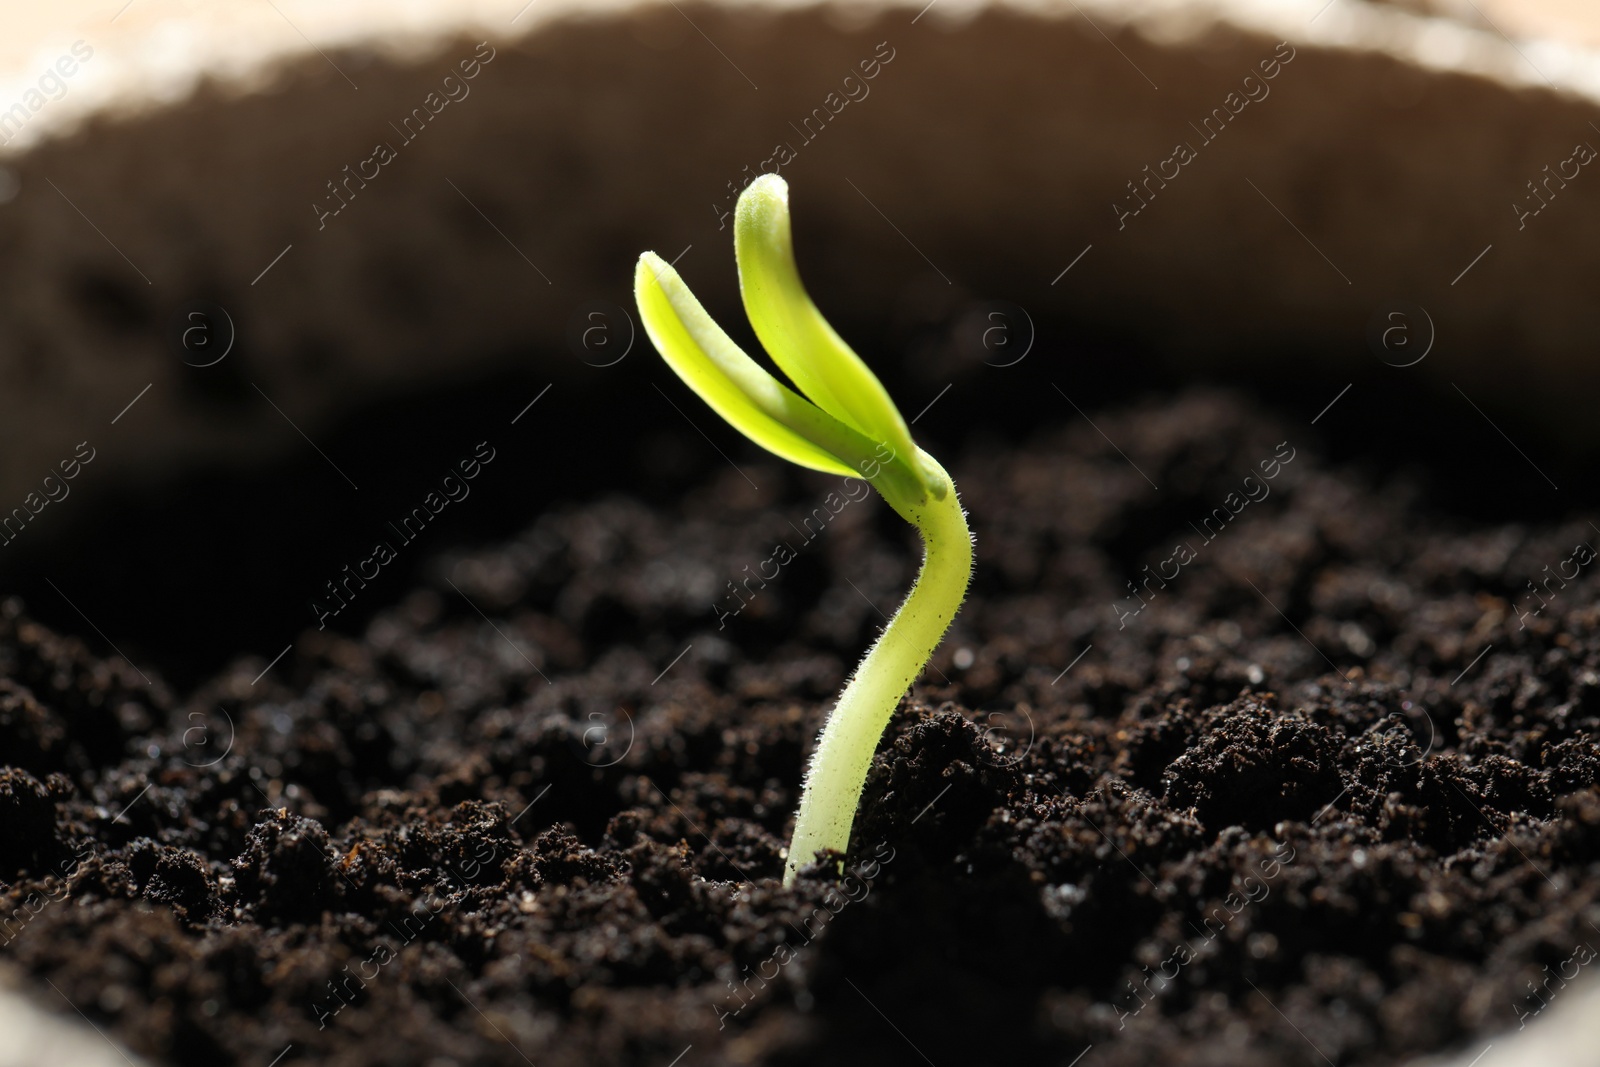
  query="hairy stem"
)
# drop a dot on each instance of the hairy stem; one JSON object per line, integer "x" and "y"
{"x": 850, "y": 736}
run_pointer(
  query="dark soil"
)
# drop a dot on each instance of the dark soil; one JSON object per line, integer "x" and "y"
{"x": 1286, "y": 814}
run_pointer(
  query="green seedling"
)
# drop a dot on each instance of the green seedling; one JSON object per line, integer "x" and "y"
{"x": 844, "y": 424}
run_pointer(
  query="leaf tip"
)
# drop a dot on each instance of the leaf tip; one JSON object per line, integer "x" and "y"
{"x": 648, "y": 261}
{"x": 763, "y": 207}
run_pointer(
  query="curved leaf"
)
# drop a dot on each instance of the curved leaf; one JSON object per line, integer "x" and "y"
{"x": 735, "y": 386}
{"x": 799, "y": 339}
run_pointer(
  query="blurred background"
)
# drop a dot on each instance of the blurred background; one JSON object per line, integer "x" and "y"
{"x": 279, "y": 267}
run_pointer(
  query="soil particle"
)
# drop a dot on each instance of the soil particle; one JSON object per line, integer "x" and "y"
{"x": 1250, "y": 764}
{"x": 28, "y": 813}
{"x": 288, "y": 870}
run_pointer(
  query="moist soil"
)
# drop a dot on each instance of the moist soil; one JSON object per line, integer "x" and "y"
{"x": 1327, "y": 796}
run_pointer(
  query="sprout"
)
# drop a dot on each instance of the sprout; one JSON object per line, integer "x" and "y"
{"x": 844, "y": 424}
